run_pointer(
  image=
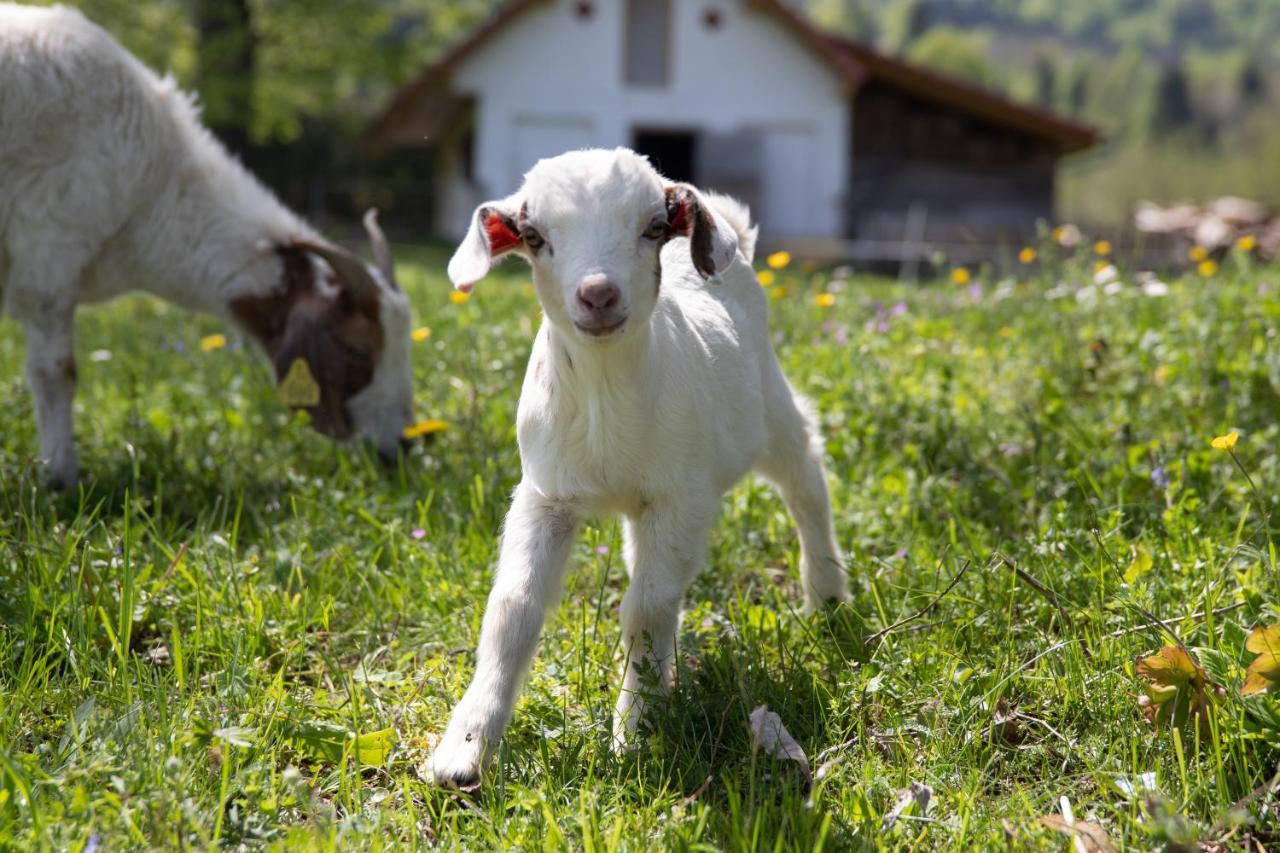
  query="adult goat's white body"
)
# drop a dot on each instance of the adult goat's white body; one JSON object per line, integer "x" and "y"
{"x": 649, "y": 393}
{"x": 109, "y": 183}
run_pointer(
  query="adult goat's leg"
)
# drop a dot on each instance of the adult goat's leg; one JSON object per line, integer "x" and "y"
{"x": 51, "y": 373}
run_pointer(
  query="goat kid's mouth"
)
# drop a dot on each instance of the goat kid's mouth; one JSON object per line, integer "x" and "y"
{"x": 600, "y": 329}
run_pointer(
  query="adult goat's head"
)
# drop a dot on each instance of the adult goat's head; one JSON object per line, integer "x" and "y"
{"x": 338, "y": 336}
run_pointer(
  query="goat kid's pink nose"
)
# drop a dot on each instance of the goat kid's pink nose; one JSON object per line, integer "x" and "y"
{"x": 598, "y": 294}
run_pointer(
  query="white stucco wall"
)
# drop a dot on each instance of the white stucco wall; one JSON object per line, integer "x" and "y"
{"x": 550, "y": 81}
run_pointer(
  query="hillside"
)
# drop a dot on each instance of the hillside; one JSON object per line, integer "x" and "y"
{"x": 1184, "y": 90}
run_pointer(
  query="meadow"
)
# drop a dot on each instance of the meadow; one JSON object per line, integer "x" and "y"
{"x": 236, "y": 633}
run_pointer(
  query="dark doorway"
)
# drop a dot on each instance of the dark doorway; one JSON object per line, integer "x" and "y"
{"x": 672, "y": 153}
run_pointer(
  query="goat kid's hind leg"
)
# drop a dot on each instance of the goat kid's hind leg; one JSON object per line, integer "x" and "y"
{"x": 665, "y": 550}
{"x": 535, "y": 546}
{"x": 794, "y": 465}
{"x": 51, "y": 374}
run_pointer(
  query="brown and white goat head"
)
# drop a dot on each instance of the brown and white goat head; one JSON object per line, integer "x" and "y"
{"x": 349, "y": 324}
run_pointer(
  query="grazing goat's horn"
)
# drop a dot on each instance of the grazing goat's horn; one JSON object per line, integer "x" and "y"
{"x": 352, "y": 274}
{"x": 381, "y": 251}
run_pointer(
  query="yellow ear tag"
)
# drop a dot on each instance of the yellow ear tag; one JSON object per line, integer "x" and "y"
{"x": 299, "y": 387}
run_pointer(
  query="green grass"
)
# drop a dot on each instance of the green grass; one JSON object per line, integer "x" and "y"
{"x": 186, "y": 640}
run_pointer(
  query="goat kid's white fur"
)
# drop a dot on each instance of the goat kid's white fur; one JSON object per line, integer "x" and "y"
{"x": 655, "y": 421}
{"x": 108, "y": 182}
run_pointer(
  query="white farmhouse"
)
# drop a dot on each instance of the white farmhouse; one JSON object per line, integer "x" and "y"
{"x": 827, "y": 140}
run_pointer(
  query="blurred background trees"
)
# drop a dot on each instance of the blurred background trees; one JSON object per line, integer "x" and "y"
{"x": 1186, "y": 91}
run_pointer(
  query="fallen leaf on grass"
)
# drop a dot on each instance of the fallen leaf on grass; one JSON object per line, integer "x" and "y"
{"x": 1006, "y": 725}
{"x": 914, "y": 798}
{"x": 158, "y": 655}
{"x": 328, "y": 742}
{"x": 1140, "y": 565}
{"x": 1088, "y": 837}
{"x": 768, "y": 734}
{"x": 241, "y": 736}
{"x": 1264, "y": 671}
{"x": 1177, "y": 688}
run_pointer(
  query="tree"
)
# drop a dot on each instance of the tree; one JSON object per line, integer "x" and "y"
{"x": 905, "y": 22}
{"x": 1173, "y": 109}
{"x": 225, "y": 78}
{"x": 1251, "y": 84}
{"x": 1046, "y": 75}
{"x": 1078, "y": 95}
{"x": 963, "y": 54}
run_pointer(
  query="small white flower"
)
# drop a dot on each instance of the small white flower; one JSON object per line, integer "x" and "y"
{"x": 100, "y": 355}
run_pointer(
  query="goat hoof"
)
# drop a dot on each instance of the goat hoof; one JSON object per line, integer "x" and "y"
{"x": 60, "y": 481}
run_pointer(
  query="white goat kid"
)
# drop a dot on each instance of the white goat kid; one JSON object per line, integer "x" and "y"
{"x": 648, "y": 394}
{"x": 108, "y": 182}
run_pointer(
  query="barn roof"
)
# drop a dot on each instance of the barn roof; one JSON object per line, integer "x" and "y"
{"x": 856, "y": 63}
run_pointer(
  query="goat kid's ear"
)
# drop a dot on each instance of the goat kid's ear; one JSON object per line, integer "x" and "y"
{"x": 492, "y": 234}
{"x": 712, "y": 240}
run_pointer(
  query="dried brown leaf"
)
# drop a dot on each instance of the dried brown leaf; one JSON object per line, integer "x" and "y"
{"x": 1089, "y": 836}
{"x": 917, "y": 795}
{"x": 768, "y": 734}
{"x": 1177, "y": 689}
{"x": 1264, "y": 670}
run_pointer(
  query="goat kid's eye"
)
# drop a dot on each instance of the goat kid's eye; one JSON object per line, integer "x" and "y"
{"x": 533, "y": 239}
{"x": 656, "y": 231}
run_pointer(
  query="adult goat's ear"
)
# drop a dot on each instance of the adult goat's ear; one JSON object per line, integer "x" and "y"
{"x": 713, "y": 242}
{"x": 492, "y": 234}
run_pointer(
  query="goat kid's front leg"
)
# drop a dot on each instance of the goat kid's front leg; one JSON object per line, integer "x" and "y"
{"x": 51, "y": 374}
{"x": 665, "y": 550}
{"x": 535, "y": 546}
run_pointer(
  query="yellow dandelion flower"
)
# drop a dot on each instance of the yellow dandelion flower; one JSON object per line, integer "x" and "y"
{"x": 960, "y": 275}
{"x": 824, "y": 300}
{"x": 457, "y": 297}
{"x": 427, "y": 427}
{"x": 1099, "y": 266}
{"x": 421, "y": 333}
{"x": 1027, "y": 255}
{"x": 213, "y": 342}
{"x": 1102, "y": 247}
{"x": 1207, "y": 268}
{"x": 778, "y": 292}
{"x": 1225, "y": 442}
{"x": 778, "y": 260}
{"x": 1198, "y": 253}
{"x": 766, "y": 278}
{"x": 1247, "y": 243}
{"x": 1005, "y": 332}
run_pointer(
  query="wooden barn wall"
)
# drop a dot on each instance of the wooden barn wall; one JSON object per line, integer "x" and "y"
{"x": 973, "y": 180}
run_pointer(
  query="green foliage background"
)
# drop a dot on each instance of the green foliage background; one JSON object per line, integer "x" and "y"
{"x": 1104, "y": 61}
{"x": 323, "y": 66}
